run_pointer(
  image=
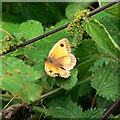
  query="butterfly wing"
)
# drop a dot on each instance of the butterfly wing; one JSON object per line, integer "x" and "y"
{"x": 61, "y": 54}
{"x": 67, "y": 62}
{"x": 60, "y": 49}
{"x": 60, "y": 60}
{"x": 55, "y": 71}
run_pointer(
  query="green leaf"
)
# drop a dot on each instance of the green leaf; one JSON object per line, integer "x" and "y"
{"x": 80, "y": 90}
{"x": 40, "y": 69}
{"x": 99, "y": 63}
{"x": 111, "y": 23}
{"x": 86, "y": 50}
{"x": 70, "y": 82}
{"x": 93, "y": 113}
{"x": 85, "y": 66}
{"x": 74, "y": 7}
{"x": 31, "y": 29}
{"x": 101, "y": 36}
{"x": 19, "y": 79}
{"x": 62, "y": 22}
{"x": 39, "y": 110}
{"x": 113, "y": 10}
{"x": 46, "y": 44}
{"x": 87, "y": 54}
{"x": 103, "y": 103}
{"x": 105, "y": 81}
{"x": 63, "y": 107}
{"x": 40, "y": 49}
{"x": 6, "y": 26}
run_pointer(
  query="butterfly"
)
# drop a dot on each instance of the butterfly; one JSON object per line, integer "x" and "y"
{"x": 60, "y": 60}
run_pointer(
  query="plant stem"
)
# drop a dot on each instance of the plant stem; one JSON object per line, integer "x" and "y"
{"x": 7, "y": 33}
{"x": 116, "y": 59}
{"x": 59, "y": 89}
{"x": 48, "y": 94}
{"x": 83, "y": 81}
{"x": 103, "y": 7}
{"x": 9, "y": 102}
{"x": 110, "y": 110}
{"x": 93, "y": 101}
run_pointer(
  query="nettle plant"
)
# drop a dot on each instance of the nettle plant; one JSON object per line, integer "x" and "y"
{"x": 93, "y": 85}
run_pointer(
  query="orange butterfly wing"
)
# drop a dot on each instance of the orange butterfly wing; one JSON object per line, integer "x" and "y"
{"x": 62, "y": 60}
{"x": 55, "y": 71}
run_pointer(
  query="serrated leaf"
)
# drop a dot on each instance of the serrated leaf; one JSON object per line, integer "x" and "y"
{"x": 63, "y": 107}
{"x": 19, "y": 79}
{"x": 70, "y": 82}
{"x": 93, "y": 113}
{"x": 101, "y": 36}
{"x": 105, "y": 81}
{"x": 31, "y": 29}
{"x": 99, "y": 63}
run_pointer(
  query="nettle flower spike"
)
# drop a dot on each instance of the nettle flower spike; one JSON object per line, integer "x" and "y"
{"x": 77, "y": 24}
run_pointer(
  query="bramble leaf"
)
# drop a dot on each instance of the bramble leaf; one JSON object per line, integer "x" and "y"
{"x": 93, "y": 113}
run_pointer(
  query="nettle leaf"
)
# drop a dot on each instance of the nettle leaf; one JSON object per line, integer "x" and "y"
{"x": 19, "y": 79}
{"x": 101, "y": 36}
{"x": 99, "y": 63}
{"x": 93, "y": 113}
{"x": 105, "y": 81}
{"x": 63, "y": 107}
{"x": 70, "y": 82}
{"x": 31, "y": 29}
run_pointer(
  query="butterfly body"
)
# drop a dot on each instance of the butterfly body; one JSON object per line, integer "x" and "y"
{"x": 60, "y": 60}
